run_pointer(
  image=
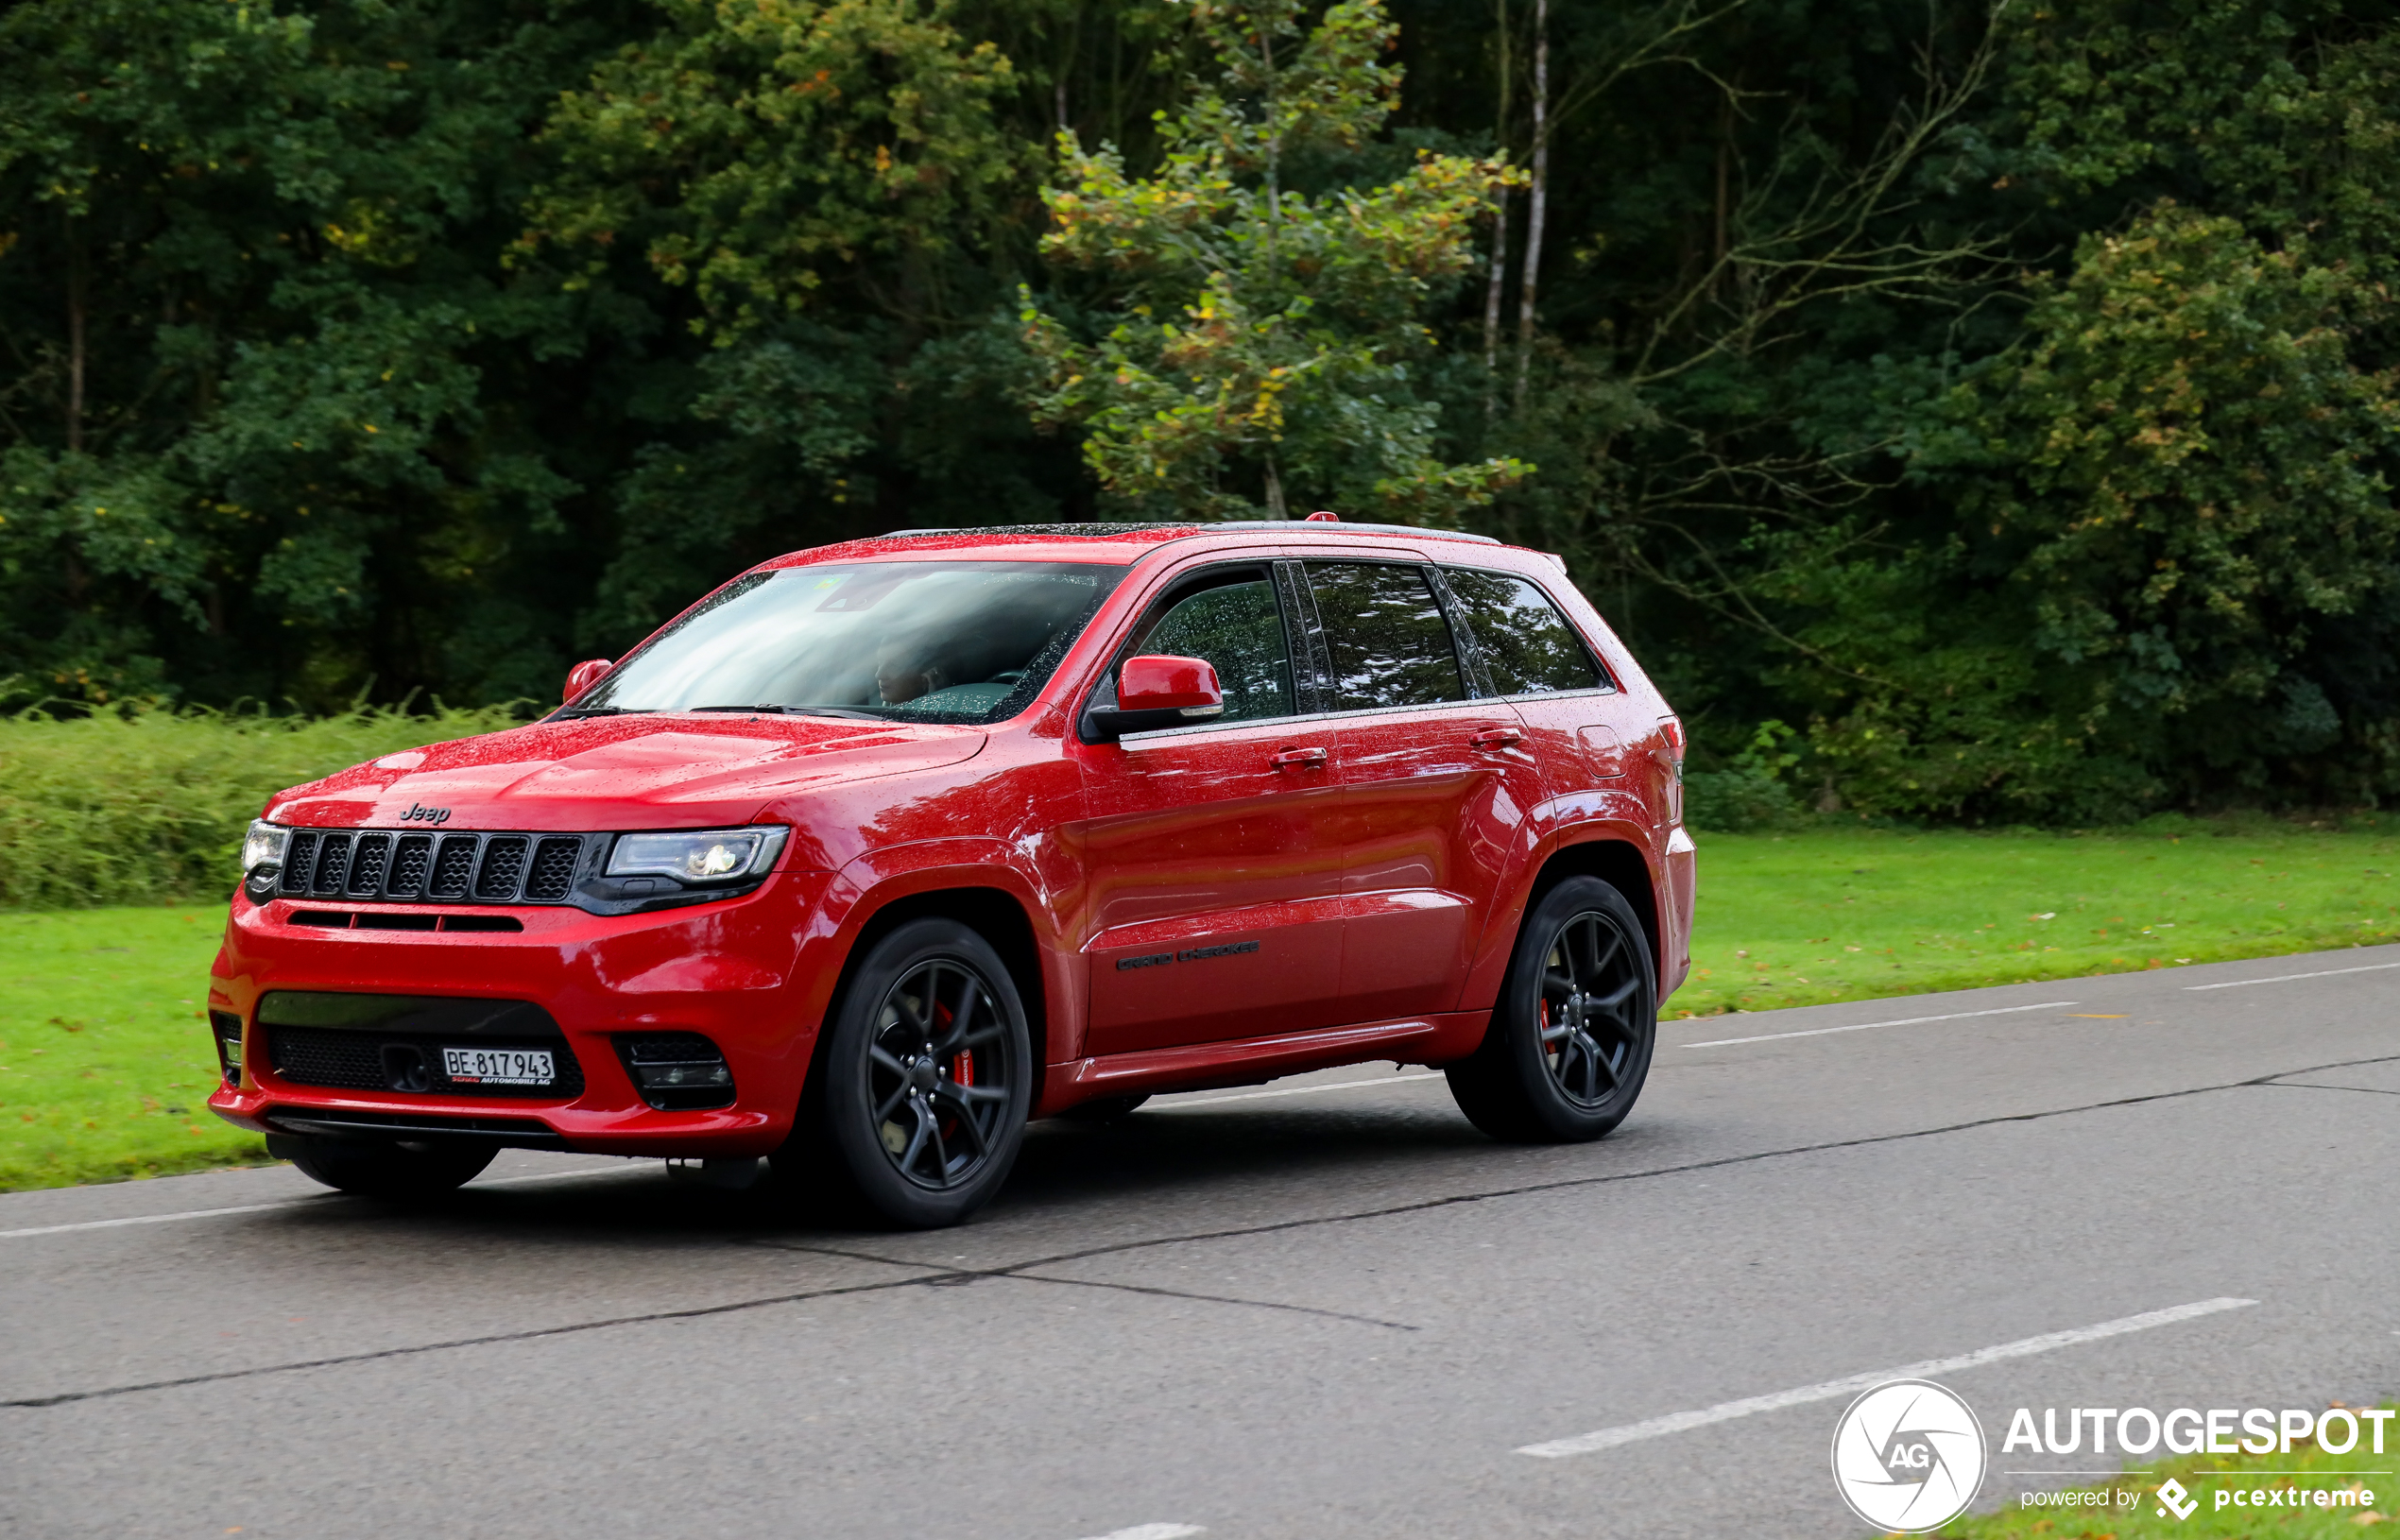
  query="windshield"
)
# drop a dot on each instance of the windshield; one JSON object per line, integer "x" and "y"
{"x": 914, "y": 641}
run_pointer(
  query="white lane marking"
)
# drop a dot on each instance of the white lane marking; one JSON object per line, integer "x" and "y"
{"x": 1678, "y": 1422}
{"x": 283, "y": 1203}
{"x": 1869, "y": 1026}
{"x": 1154, "y": 1532}
{"x": 1295, "y": 1090}
{"x": 2283, "y": 978}
{"x": 150, "y": 1219}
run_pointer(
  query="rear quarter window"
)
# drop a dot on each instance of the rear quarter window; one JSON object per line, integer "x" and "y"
{"x": 1528, "y": 647}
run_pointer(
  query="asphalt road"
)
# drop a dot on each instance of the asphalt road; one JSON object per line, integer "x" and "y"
{"x": 1328, "y": 1309}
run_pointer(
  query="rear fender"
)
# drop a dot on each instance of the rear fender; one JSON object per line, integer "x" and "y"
{"x": 1600, "y": 834}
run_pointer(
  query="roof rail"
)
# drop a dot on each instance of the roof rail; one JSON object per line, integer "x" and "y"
{"x": 1289, "y": 526}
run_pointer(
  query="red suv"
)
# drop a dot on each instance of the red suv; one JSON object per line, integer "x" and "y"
{"x": 884, "y": 849}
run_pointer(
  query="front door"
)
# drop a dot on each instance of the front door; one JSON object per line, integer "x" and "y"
{"x": 1212, "y": 850}
{"x": 1437, "y": 788}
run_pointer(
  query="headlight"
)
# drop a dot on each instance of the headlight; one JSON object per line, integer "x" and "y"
{"x": 707, "y": 855}
{"x": 264, "y": 846}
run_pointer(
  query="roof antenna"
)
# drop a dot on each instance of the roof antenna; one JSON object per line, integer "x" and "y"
{"x": 1321, "y": 517}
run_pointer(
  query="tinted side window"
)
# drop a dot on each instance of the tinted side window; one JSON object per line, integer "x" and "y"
{"x": 1527, "y": 645}
{"x": 1390, "y": 642}
{"x": 1239, "y": 628}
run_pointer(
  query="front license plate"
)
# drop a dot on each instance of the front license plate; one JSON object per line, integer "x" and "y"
{"x": 497, "y": 1066}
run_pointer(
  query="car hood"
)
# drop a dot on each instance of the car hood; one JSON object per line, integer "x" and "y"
{"x": 682, "y": 771}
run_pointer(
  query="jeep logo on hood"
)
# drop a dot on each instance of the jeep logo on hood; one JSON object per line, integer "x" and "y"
{"x": 418, "y": 813}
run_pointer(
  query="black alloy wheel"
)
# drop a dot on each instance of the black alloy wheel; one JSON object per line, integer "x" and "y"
{"x": 916, "y": 1104}
{"x": 936, "y": 1076}
{"x": 1569, "y": 1044}
{"x": 1591, "y": 989}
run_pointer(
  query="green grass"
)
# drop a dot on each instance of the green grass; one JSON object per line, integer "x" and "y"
{"x": 101, "y": 1035}
{"x": 105, "y": 1064}
{"x": 150, "y": 807}
{"x": 2141, "y": 1520}
{"x": 1805, "y": 918}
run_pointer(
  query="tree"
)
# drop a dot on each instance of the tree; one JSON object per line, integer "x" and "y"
{"x": 1260, "y": 314}
{"x": 267, "y": 424}
{"x": 818, "y": 191}
{"x": 2177, "y": 550}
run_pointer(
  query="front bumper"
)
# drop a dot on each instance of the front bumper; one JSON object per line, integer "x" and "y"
{"x": 742, "y": 972}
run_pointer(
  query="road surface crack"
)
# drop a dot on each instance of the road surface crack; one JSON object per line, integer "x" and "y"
{"x": 939, "y": 1276}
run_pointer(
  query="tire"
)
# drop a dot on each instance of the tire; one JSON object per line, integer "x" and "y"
{"x": 923, "y": 1084}
{"x": 1569, "y": 1044}
{"x": 378, "y": 1169}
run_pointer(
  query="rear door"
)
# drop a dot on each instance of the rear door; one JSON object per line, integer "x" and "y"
{"x": 1212, "y": 850}
{"x": 1437, "y": 787}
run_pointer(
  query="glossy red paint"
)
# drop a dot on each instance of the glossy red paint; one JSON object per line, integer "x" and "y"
{"x": 1167, "y": 684}
{"x": 1379, "y": 861}
{"x": 583, "y": 677}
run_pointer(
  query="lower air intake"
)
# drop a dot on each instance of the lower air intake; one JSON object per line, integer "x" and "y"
{"x": 677, "y": 1071}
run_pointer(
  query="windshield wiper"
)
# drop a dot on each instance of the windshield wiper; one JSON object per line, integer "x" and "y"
{"x": 795, "y": 710}
{"x": 603, "y": 711}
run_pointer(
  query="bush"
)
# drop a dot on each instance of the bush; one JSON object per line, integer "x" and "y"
{"x": 1737, "y": 801}
{"x": 149, "y": 807}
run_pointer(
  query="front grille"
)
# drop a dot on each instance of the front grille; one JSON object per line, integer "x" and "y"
{"x": 366, "y": 862}
{"x": 374, "y": 866}
{"x": 409, "y": 863}
{"x": 333, "y": 863}
{"x": 349, "y": 1059}
{"x": 554, "y": 868}
{"x": 503, "y": 867}
{"x": 453, "y": 866}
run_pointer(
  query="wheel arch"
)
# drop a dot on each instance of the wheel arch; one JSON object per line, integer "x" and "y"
{"x": 995, "y": 913}
{"x": 1618, "y": 862}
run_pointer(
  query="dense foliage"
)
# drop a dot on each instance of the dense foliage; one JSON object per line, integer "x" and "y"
{"x": 151, "y": 806}
{"x": 1968, "y": 412}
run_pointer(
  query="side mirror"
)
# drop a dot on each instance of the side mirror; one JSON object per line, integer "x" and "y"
{"x": 583, "y": 677}
{"x": 1155, "y": 691}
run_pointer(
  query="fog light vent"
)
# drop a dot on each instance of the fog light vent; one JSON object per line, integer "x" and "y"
{"x": 677, "y": 1071}
{"x": 227, "y": 1029}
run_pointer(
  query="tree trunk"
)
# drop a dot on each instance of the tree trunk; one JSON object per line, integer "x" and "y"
{"x": 1276, "y": 508}
{"x": 1537, "y": 202}
{"x": 77, "y": 280}
{"x": 1500, "y": 227}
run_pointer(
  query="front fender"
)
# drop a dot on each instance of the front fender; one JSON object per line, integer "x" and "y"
{"x": 875, "y": 881}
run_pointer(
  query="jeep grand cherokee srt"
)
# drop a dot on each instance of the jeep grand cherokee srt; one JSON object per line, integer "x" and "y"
{"x": 884, "y": 849}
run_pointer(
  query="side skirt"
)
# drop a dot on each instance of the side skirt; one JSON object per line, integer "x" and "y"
{"x": 1250, "y": 1061}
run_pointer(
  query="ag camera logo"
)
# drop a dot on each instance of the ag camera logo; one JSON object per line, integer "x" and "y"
{"x": 1908, "y": 1456}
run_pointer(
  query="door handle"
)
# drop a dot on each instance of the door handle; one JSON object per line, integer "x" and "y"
{"x": 1497, "y": 738}
{"x": 1298, "y": 759}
